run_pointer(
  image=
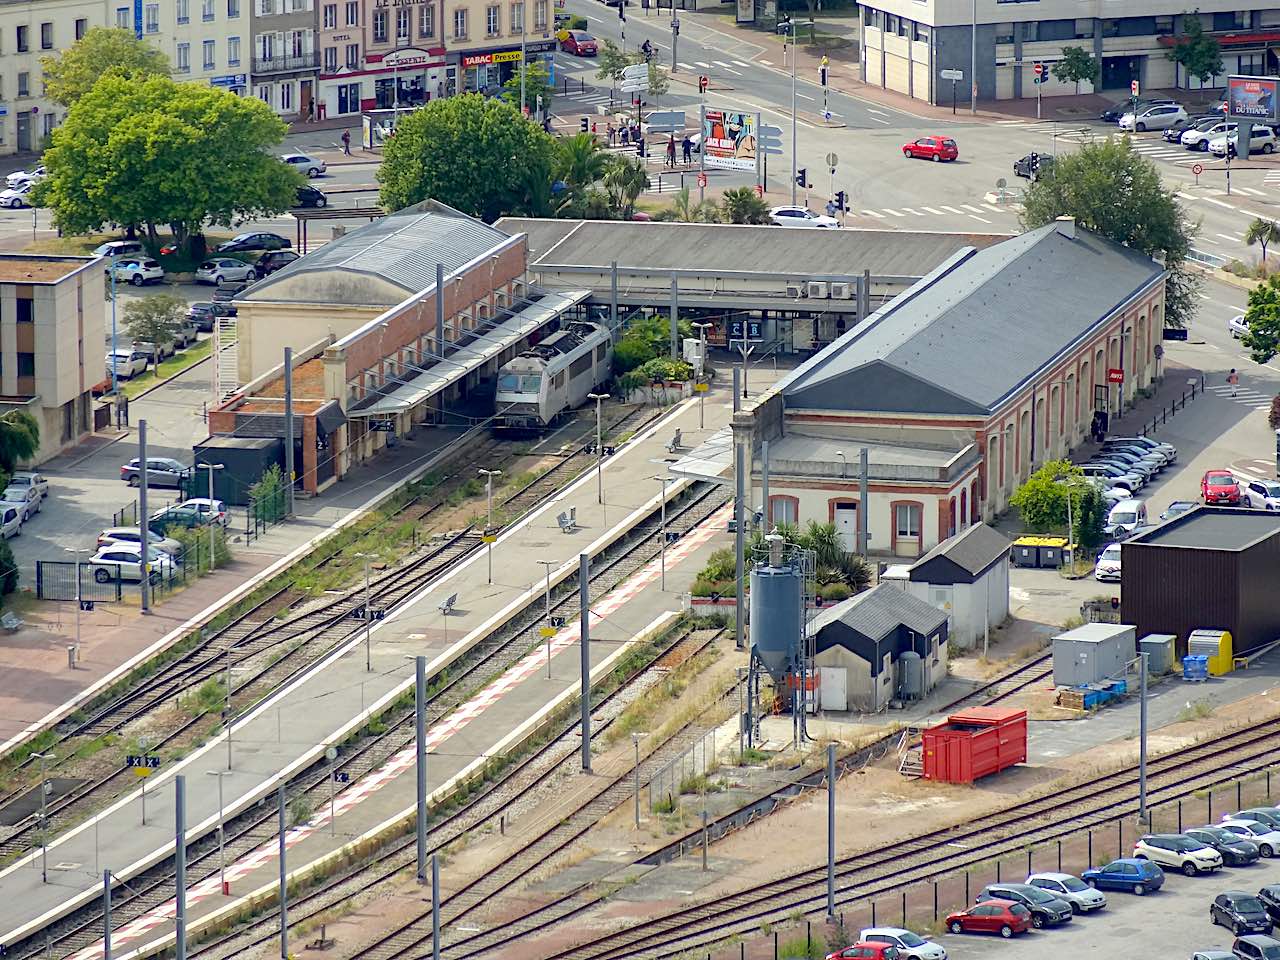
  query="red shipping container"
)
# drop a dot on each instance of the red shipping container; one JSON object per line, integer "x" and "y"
{"x": 975, "y": 743}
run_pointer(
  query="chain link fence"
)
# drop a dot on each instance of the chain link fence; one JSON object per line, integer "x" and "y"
{"x": 678, "y": 775}
{"x": 104, "y": 583}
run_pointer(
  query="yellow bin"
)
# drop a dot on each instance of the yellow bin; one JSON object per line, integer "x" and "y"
{"x": 1214, "y": 644}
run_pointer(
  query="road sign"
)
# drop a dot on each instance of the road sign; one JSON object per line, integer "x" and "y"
{"x": 557, "y": 622}
{"x": 86, "y": 606}
{"x": 832, "y": 160}
{"x": 1039, "y": 69}
{"x": 637, "y": 71}
{"x": 750, "y": 330}
{"x": 702, "y": 179}
{"x": 826, "y": 114}
{"x": 1115, "y": 375}
{"x": 703, "y": 82}
{"x": 771, "y": 138}
{"x": 488, "y": 538}
{"x": 1197, "y": 169}
{"x": 341, "y": 776}
{"x": 1133, "y": 88}
{"x": 701, "y": 388}
{"x": 142, "y": 764}
{"x": 952, "y": 74}
{"x": 665, "y": 121}
{"x": 547, "y": 632}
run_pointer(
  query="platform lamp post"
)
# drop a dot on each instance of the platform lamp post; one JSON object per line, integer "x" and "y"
{"x": 44, "y": 816}
{"x": 222, "y": 856}
{"x": 702, "y": 395}
{"x": 547, "y": 630}
{"x": 663, "y": 528}
{"x": 599, "y": 398}
{"x": 211, "y": 468}
{"x": 488, "y": 530}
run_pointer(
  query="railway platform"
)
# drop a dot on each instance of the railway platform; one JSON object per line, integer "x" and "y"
{"x": 291, "y": 729}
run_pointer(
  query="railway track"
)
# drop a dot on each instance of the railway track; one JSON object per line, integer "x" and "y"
{"x": 494, "y": 654}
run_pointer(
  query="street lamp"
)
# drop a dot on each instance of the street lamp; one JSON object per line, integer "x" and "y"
{"x": 146, "y": 531}
{"x": 222, "y": 858}
{"x": 44, "y": 817}
{"x": 488, "y": 530}
{"x": 547, "y": 631}
{"x": 702, "y": 353}
{"x": 212, "y": 468}
{"x": 663, "y": 526}
{"x": 599, "y": 398}
{"x": 844, "y": 464}
{"x": 368, "y": 642}
{"x": 114, "y": 382}
{"x": 788, "y": 29}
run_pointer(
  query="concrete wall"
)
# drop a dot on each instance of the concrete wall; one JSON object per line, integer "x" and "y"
{"x": 265, "y": 328}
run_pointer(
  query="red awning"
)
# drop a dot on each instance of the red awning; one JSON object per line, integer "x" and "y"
{"x": 1234, "y": 39}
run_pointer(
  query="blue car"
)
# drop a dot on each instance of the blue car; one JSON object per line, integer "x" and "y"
{"x": 1135, "y": 876}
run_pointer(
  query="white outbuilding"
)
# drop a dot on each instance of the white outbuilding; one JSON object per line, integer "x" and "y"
{"x": 967, "y": 576}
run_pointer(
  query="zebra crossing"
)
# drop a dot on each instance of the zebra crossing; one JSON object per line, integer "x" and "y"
{"x": 981, "y": 212}
{"x": 1245, "y": 396}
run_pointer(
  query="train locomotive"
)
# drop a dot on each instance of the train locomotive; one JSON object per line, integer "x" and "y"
{"x": 539, "y": 385}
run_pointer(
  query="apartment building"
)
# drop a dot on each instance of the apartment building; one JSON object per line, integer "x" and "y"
{"x": 906, "y": 44}
{"x": 286, "y": 59}
{"x": 51, "y": 337}
{"x": 203, "y": 39}
{"x": 484, "y": 40}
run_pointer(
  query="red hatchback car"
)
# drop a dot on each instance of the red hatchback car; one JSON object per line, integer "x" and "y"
{"x": 991, "y": 916}
{"x": 863, "y": 950}
{"x": 931, "y": 148}
{"x": 1219, "y": 486}
{"x": 580, "y": 43}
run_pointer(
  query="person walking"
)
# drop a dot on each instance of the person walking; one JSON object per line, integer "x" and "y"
{"x": 610, "y": 133}
{"x": 626, "y": 135}
{"x": 346, "y": 142}
{"x": 686, "y": 146}
{"x": 1233, "y": 378}
{"x": 640, "y": 144}
{"x": 671, "y": 151}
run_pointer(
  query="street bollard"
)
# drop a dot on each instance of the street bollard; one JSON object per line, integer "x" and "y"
{"x": 1179, "y": 816}
{"x": 1239, "y": 802}
{"x": 935, "y": 901}
{"x": 1089, "y": 859}
{"x": 1059, "y": 856}
{"x": 904, "y": 908}
{"x": 1029, "y": 870}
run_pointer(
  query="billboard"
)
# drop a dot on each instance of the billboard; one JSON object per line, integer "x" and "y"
{"x": 1253, "y": 98}
{"x": 729, "y": 139}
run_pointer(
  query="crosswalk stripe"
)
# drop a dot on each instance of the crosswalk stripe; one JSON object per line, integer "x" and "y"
{"x": 698, "y": 62}
{"x": 738, "y": 63}
{"x": 936, "y": 213}
{"x": 683, "y": 66}
{"x": 992, "y": 207}
{"x": 953, "y": 210}
{"x": 1185, "y": 196}
{"x": 1219, "y": 203}
{"x": 892, "y": 213}
{"x": 914, "y": 213}
{"x": 1256, "y": 193}
{"x": 971, "y": 209}
{"x": 872, "y": 213}
{"x": 720, "y": 63}
{"x": 974, "y": 216}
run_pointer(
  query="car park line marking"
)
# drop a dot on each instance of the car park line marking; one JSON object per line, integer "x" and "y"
{"x": 953, "y": 210}
{"x": 936, "y": 213}
{"x": 872, "y": 213}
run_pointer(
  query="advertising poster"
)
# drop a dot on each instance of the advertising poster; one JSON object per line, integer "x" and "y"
{"x": 746, "y": 11}
{"x": 1252, "y": 98}
{"x": 729, "y": 140}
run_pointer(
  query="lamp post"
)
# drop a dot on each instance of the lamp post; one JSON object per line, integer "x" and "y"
{"x": 44, "y": 817}
{"x": 488, "y": 530}
{"x": 524, "y": 67}
{"x": 599, "y": 398}
{"x": 547, "y": 565}
{"x": 368, "y": 640}
{"x": 788, "y": 29}
{"x": 702, "y": 348}
{"x": 79, "y": 599}
{"x": 844, "y": 464}
{"x": 222, "y": 858}
{"x": 663, "y": 527}
{"x": 211, "y": 468}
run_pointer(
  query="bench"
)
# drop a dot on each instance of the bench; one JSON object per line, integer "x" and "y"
{"x": 446, "y": 606}
{"x": 568, "y": 521}
{"x": 11, "y": 622}
{"x": 675, "y": 444}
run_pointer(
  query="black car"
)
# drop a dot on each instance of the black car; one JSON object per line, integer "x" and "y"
{"x": 269, "y": 263}
{"x": 228, "y": 291}
{"x": 1236, "y": 850}
{"x": 1046, "y": 909}
{"x": 1239, "y": 912}
{"x": 1174, "y": 132}
{"x": 309, "y": 196}
{"x": 202, "y": 315}
{"x": 1270, "y": 897}
{"x": 255, "y": 241}
{"x": 1032, "y": 166}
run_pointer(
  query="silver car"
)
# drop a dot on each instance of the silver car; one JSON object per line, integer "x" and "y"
{"x": 1082, "y": 897}
{"x": 222, "y": 270}
{"x": 910, "y": 946}
{"x": 25, "y": 499}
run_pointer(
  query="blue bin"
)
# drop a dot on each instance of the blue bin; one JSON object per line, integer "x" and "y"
{"x": 1195, "y": 667}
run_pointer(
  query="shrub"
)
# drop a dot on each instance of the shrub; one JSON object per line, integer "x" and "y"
{"x": 835, "y": 591}
{"x": 8, "y": 569}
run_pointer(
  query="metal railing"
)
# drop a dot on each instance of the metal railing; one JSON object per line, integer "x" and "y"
{"x": 305, "y": 61}
{"x": 1169, "y": 409}
{"x": 665, "y": 786}
{"x": 1208, "y": 259}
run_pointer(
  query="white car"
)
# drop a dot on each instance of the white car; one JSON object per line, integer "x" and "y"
{"x": 1082, "y": 897}
{"x": 1197, "y": 136}
{"x": 1237, "y": 326}
{"x": 204, "y": 506}
{"x": 123, "y": 561}
{"x": 138, "y": 270}
{"x": 1177, "y": 850}
{"x": 119, "y": 248}
{"x": 910, "y": 946}
{"x": 222, "y": 269}
{"x": 800, "y": 217}
{"x": 1260, "y": 139}
{"x": 133, "y": 536}
{"x": 16, "y": 197}
{"x": 30, "y": 478}
{"x": 25, "y": 176}
{"x": 1108, "y": 565}
{"x": 128, "y": 362}
{"x": 1155, "y": 117}
{"x": 1259, "y": 494}
{"x": 1264, "y": 835}
{"x": 308, "y": 165}
{"x": 24, "y": 498}
{"x": 10, "y": 521}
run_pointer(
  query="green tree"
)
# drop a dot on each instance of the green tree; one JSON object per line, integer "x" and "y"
{"x": 611, "y": 61}
{"x": 1262, "y": 232}
{"x": 580, "y": 160}
{"x": 624, "y": 181}
{"x": 1042, "y": 501}
{"x": 152, "y": 151}
{"x": 154, "y": 319}
{"x": 1198, "y": 53}
{"x": 1089, "y": 514}
{"x": 658, "y": 82}
{"x": 744, "y": 205}
{"x": 69, "y": 75}
{"x": 1076, "y": 64}
{"x": 1110, "y": 189}
{"x": 684, "y": 209}
{"x": 537, "y": 83}
{"x": 1273, "y": 415}
{"x": 1263, "y": 317}
{"x": 466, "y": 151}
{"x": 19, "y": 438}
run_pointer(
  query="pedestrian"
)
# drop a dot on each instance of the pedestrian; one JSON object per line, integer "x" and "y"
{"x": 626, "y": 135}
{"x": 346, "y": 142}
{"x": 671, "y": 150}
{"x": 831, "y": 208}
{"x": 686, "y": 145}
{"x": 311, "y": 111}
{"x": 593, "y": 129}
{"x": 611, "y": 133}
{"x": 1233, "y": 378}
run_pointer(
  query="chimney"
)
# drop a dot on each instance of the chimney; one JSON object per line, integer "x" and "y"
{"x": 1067, "y": 227}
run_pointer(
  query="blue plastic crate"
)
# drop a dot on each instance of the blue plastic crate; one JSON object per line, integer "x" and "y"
{"x": 1195, "y": 667}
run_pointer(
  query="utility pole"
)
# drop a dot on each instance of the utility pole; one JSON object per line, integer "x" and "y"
{"x": 211, "y": 468}
{"x": 368, "y": 628}
{"x": 599, "y": 398}
{"x": 283, "y": 827}
{"x": 524, "y": 69}
{"x": 663, "y": 528}
{"x": 180, "y": 865}
{"x": 788, "y": 28}
{"x": 222, "y": 852}
{"x": 973, "y": 60}
{"x": 289, "y": 467}
{"x": 584, "y": 613}
{"x": 106, "y": 915}
{"x": 635, "y": 740}
{"x": 831, "y": 833}
{"x": 420, "y": 732}
{"x": 547, "y": 630}
{"x": 144, "y": 519}
{"x": 740, "y": 564}
{"x": 1142, "y": 738}
{"x": 44, "y": 816}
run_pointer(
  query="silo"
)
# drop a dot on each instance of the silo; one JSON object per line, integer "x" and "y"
{"x": 910, "y": 676}
{"x": 777, "y": 595}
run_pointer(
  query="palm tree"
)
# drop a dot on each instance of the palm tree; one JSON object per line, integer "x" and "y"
{"x": 742, "y": 205}
{"x": 686, "y": 211}
{"x": 580, "y": 161}
{"x": 625, "y": 180}
{"x": 1262, "y": 232}
{"x": 19, "y": 438}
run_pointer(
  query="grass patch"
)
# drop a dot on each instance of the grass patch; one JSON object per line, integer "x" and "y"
{"x": 176, "y": 364}
{"x": 752, "y": 757}
{"x": 640, "y": 714}
{"x": 1200, "y": 709}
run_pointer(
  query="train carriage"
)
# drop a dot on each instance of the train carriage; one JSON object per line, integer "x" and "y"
{"x": 536, "y": 387}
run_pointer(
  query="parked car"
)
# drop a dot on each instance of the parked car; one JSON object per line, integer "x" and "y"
{"x": 1270, "y": 898}
{"x": 931, "y": 148}
{"x": 19, "y": 177}
{"x": 580, "y": 43}
{"x": 1177, "y": 508}
{"x": 155, "y": 353}
{"x": 133, "y": 535}
{"x": 1108, "y": 565}
{"x": 1259, "y": 494}
{"x": 1178, "y": 850}
{"x": 1114, "y": 476}
{"x": 1082, "y": 897}
{"x": 1046, "y": 909}
{"x": 1117, "y": 110}
{"x": 1237, "y": 326}
{"x": 178, "y": 516}
{"x": 127, "y": 361}
{"x": 1173, "y": 133}
{"x": 33, "y": 479}
{"x": 16, "y": 197}
{"x": 1124, "y": 518}
{"x": 161, "y": 472}
{"x": 228, "y": 292}
{"x": 269, "y": 263}
{"x": 213, "y": 510}
{"x": 1239, "y": 912}
{"x": 123, "y": 561}
{"x": 222, "y": 269}
{"x": 1131, "y": 445}
{"x": 10, "y": 522}
{"x": 1155, "y": 117}
{"x": 1265, "y": 814}
{"x": 24, "y": 499}
{"x": 1261, "y": 139}
{"x": 185, "y": 334}
{"x": 1220, "y": 486}
{"x": 1168, "y": 449}
{"x": 138, "y": 270}
{"x": 1199, "y": 136}
{"x": 1135, "y": 876}
{"x": 202, "y": 315}
{"x": 1147, "y": 464}
{"x": 1265, "y": 835}
{"x": 119, "y": 248}
{"x": 910, "y": 946}
{"x": 866, "y": 951}
{"x": 1256, "y": 946}
{"x": 309, "y": 196}
{"x": 1236, "y": 850}
{"x": 1032, "y": 166}
{"x": 787, "y": 216}
{"x": 1213, "y": 955}
{"x": 255, "y": 241}
{"x": 994, "y": 916}
{"x": 308, "y": 165}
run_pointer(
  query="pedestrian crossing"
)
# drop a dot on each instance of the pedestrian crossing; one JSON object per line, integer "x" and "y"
{"x": 981, "y": 212}
{"x": 1245, "y": 396}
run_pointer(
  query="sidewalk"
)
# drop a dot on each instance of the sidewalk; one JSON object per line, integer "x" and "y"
{"x": 346, "y": 694}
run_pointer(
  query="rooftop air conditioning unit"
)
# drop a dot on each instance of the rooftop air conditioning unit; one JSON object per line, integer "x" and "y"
{"x": 818, "y": 288}
{"x": 841, "y": 291}
{"x": 796, "y": 290}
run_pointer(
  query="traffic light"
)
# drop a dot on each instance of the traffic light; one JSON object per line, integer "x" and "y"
{"x": 584, "y": 124}
{"x": 840, "y": 201}
{"x": 703, "y": 82}
{"x": 800, "y": 178}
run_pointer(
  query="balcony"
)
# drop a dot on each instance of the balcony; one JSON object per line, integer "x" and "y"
{"x": 306, "y": 61}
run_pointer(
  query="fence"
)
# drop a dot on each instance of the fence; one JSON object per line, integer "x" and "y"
{"x": 666, "y": 783}
{"x": 265, "y": 512}
{"x": 1207, "y": 259}
{"x": 56, "y": 579}
{"x": 1169, "y": 409}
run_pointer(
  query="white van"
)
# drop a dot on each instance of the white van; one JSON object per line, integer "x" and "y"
{"x": 1124, "y": 517}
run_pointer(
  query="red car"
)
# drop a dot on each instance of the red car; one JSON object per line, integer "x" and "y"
{"x": 866, "y": 951}
{"x": 991, "y": 916}
{"x": 580, "y": 43}
{"x": 931, "y": 148}
{"x": 1219, "y": 486}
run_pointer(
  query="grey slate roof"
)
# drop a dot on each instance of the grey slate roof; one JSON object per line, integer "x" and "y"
{"x": 972, "y": 550}
{"x": 402, "y": 248}
{"x": 970, "y": 334}
{"x": 1212, "y": 528}
{"x": 877, "y": 612}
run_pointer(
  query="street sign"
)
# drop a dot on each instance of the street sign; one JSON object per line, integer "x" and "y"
{"x": 703, "y": 82}
{"x": 701, "y": 388}
{"x": 665, "y": 121}
{"x": 637, "y": 71}
{"x": 488, "y": 538}
{"x": 142, "y": 764}
{"x": 1134, "y": 88}
{"x": 771, "y": 138}
{"x": 702, "y": 179}
{"x": 832, "y": 160}
{"x": 546, "y": 632}
{"x": 1197, "y": 169}
{"x": 1039, "y": 69}
{"x": 1115, "y": 375}
{"x": 557, "y": 622}
{"x": 952, "y": 74}
{"x": 382, "y": 426}
{"x": 341, "y": 776}
{"x": 633, "y": 86}
{"x": 86, "y": 606}
{"x": 750, "y": 330}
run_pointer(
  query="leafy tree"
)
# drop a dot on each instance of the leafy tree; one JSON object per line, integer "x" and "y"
{"x": 744, "y": 205}
{"x": 1110, "y": 189}
{"x": 467, "y": 151}
{"x": 154, "y": 319}
{"x": 19, "y": 438}
{"x": 153, "y": 151}
{"x": 658, "y": 82}
{"x": 684, "y": 209}
{"x": 624, "y": 181}
{"x": 1089, "y": 513}
{"x": 1263, "y": 317}
{"x": 1197, "y": 52}
{"x": 580, "y": 160}
{"x": 8, "y": 569}
{"x": 1273, "y": 415}
{"x": 1042, "y": 500}
{"x": 666, "y": 369}
{"x": 1262, "y": 232}
{"x": 645, "y": 339}
{"x": 611, "y": 61}
{"x": 537, "y": 83}
{"x": 1076, "y": 64}
{"x": 69, "y": 75}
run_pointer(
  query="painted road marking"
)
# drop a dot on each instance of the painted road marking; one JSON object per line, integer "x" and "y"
{"x": 959, "y": 213}
{"x": 1219, "y": 203}
{"x": 874, "y": 110}
{"x": 1256, "y": 193}
{"x": 892, "y": 213}
{"x": 872, "y": 213}
{"x": 1224, "y": 236}
{"x": 971, "y": 209}
{"x": 802, "y": 96}
{"x": 978, "y": 218}
{"x": 994, "y": 209}
{"x": 936, "y": 213}
{"x": 914, "y": 213}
